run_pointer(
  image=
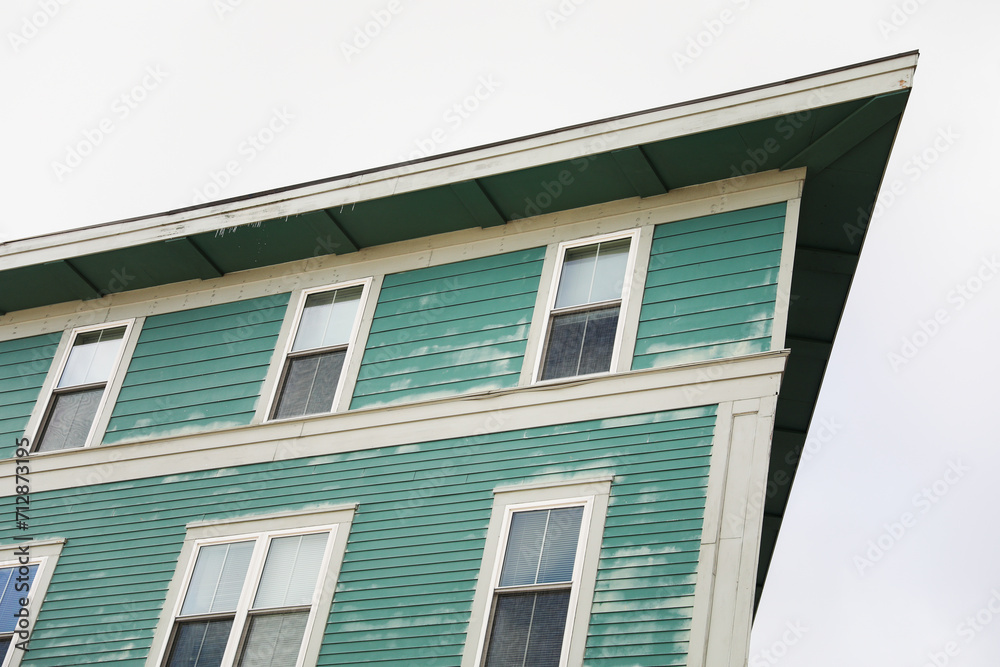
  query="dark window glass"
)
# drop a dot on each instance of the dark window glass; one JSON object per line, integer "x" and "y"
{"x": 581, "y": 343}
{"x": 310, "y": 384}
{"x": 528, "y": 629}
{"x": 70, "y": 418}
{"x": 200, "y": 643}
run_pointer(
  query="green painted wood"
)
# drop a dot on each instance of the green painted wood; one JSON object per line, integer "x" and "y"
{"x": 449, "y": 330}
{"x": 711, "y": 287}
{"x": 416, "y": 546}
{"x": 24, "y": 363}
{"x": 197, "y": 369}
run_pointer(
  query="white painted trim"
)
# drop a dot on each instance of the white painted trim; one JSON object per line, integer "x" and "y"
{"x": 335, "y": 520}
{"x": 591, "y": 493}
{"x": 544, "y": 230}
{"x": 549, "y": 298}
{"x": 629, "y": 316}
{"x": 45, "y": 554}
{"x": 852, "y": 83}
{"x": 633, "y": 392}
{"x": 784, "y": 299}
{"x": 277, "y": 366}
{"x": 113, "y": 384}
{"x": 730, "y": 544}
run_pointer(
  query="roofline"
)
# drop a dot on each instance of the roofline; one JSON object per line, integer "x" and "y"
{"x": 865, "y": 79}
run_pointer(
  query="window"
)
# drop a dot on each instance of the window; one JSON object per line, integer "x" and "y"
{"x": 531, "y": 598}
{"x": 541, "y": 551}
{"x": 584, "y": 314}
{"x": 80, "y": 390}
{"x": 25, "y": 572}
{"x": 13, "y": 587}
{"x": 253, "y": 599}
{"x": 312, "y": 377}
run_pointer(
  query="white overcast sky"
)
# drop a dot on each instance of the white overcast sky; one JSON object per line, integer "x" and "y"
{"x": 211, "y": 73}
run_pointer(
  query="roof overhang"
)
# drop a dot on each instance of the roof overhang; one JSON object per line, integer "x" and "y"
{"x": 840, "y": 125}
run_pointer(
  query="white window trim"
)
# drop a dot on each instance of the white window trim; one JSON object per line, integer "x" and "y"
{"x": 290, "y": 329}
{"x": 593, "y": 495}
{"x": 45, "y": 554}
{"x": 549, "y": 296}
{"x": 115, "y": 378}
{"x": 335, "y": 520}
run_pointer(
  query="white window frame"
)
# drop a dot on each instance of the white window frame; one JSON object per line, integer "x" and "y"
{"x": 592, "y": 494}
{"x": 44, "y": 554}
{"x": 550, "y": 298}
{"x": 111, "y": 387}
{"x": 333, "y": 520}
{"x": 293, "y": 329}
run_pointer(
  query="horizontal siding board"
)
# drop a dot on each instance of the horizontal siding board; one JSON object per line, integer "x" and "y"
{"x": 413, "y": 333}
{"x": 197, "y": 369}
{"x": 416, "y": 546}
{"x": 457, "y": 296}
{"x": 503, "y": 305}
{"x": 711, "y": 288}
{"x": 472, "y": 266}
{"x": 24, "y": 363}
{"x": 689, "y": 355}
{"x": 420, "y": 361}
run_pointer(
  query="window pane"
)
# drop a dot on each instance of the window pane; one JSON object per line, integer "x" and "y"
{"x": 291, "y": 571}
{"x": 218, "y": 578}
{"x": 70, "y": 420}
{"x": 274, "y": 640}
{"x": 593, "y": 273}
{"x": 609, "y": 275}
{"x": 200, "y": 643}
{"x": 581, "y": 343}
{"x": 528, "y": 629}
{"x": 91, "y": 357}
{"x": 4, "y": 645}
{"x": 327, "y": 319}
{"x": 577, "y": 276}
{"x": 541, "y": 547}
{"x": 10, "y": 598}
{"x": 310, "y": 385}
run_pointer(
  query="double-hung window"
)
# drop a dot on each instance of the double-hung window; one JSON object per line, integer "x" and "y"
{"x": 80, "y": 391}
{"x": 250, "y": 600}
{"x": 25, "y": 572}
{"x": 584, "y": 322}
{"x": 312, "y": 373}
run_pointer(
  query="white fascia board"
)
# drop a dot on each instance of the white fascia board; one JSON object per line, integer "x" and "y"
{"x": 812, "y": 92}
{"x": 633, "y": 392}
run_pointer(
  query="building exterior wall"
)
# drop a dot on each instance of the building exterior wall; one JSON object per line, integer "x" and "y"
{"x": 24, "y": 363}
{"x": 443, "y": 414}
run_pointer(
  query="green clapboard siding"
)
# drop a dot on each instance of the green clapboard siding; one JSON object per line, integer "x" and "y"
{"x": 196, "y": 370}
{"x": 408, "y": 579}
{"x": 450, "y": 329}
{"x": 24, "y": 362}
{"x": 711, "y": 287}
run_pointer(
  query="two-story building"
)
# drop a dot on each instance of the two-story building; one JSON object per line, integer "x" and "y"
{"x": 514, "y": 405}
